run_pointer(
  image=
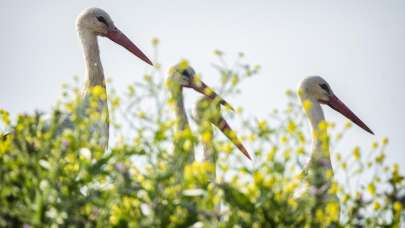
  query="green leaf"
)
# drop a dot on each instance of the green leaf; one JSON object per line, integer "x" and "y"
{"x": 237, "y": 198}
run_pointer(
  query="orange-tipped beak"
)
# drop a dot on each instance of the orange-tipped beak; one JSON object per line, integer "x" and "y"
{"x": 120, "y": 38}
{"x": 335, "y": 103}
{"x": 202, "y": 88}
{"x": 231, "y": 135}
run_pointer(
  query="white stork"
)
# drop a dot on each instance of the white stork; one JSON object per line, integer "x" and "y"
{"x": 314, "y": 91}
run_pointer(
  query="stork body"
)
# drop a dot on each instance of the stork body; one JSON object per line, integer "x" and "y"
{"x": 313, "y": 92}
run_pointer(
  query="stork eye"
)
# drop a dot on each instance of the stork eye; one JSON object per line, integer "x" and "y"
{"x": 187, "y": 73}
{"x": 102, "y": 20}
{"x": 325, "y": 87}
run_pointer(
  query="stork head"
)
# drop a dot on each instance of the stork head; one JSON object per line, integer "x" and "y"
{"x": 317, "y": 89}
{"x": 97, "y": 22}
{"x": 185, "y": 77}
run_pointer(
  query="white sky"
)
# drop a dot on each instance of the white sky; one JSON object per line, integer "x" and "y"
{"x": 358, "y": 46}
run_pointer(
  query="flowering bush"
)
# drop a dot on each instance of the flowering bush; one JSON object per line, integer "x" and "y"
{"x": 56, "y": 173}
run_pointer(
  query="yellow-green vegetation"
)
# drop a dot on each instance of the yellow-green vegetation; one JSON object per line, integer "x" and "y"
{"x": 58, "y": 175}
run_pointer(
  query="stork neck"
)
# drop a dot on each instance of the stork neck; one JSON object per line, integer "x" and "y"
{"x": 320, "y": 149}
{"x": 182, "y": 121}
{"x": 210, "y": 154}
{"x": 202, "y": 117}
{"x": 94, "y": 69}
{"x": 205, "y": 127}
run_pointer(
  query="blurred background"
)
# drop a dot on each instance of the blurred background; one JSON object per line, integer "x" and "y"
{"x": 357, "y": 46}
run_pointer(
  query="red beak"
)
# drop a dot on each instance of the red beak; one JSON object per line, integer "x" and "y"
{"x": 118, "y": 37}
{"x": 339, "y": 106}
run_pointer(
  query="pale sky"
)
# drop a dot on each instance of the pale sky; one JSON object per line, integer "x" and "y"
{"x": 357, "y": 46}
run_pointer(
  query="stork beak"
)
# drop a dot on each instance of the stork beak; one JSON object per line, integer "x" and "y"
{"x": 120, "y": 38}
{"x": 202, "y": 88}
{"x": 335, "y": 103}
{"x": 231, "y": 135}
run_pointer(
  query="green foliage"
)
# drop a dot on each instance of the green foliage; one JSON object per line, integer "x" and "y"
{"x": 55, "y": 172}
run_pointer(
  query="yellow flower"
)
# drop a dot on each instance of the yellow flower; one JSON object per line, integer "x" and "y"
{"x": 187, "y": 145}
{"x": 155, "y": 41}
{"x": 371, "y": 188}
{"x": 397, "y": 206}
{"x": 374, "y": 145}
{"x": 115, "y": 102}
{"x": 291, "y": 187}
{"x": 157, "y": 66}
{"x": 99, "y": 92}
{"x": 206, "y": 137}
{"x": 235, "y": 80}
{"x": 262, "y": 125}
{"x": 348, "y": 124}
{"x": 307, "y": 105}
{"x": 323, "y": 126}
{"x": 396, "y": 176}
{"x": 272, "y": 153}
{"x": 345, "y": 198}
{"x": 224, "y": 167}
{"x": 319, "y": 215}
{"x": 301, "y": 138}
{"x": 380, "y": 159}
{"x": 147, "y": 78}
{"x": 300, "y": 92}
{"x": 71, "y": 167}
{"x": 356, "y": 153}
{"x": 198, "y": 171}
{"x": 141, "y": 115}
{"x": 218, "y": 52}
{"x": 283, "y": 140}
{"x": 115, "y": 212}
{"x": 395, "y": 169}
{"x": 332, "y": 209}
{"x": 289, "y": 93}
{"x": 385, "y": 141}
{"x": 329, "y": 173}
{"x": 334, "y": 188}
{"x": 268, "y": 183}
{"x": 258, "y": 177}
{"x": 344, "y": 165}
{"x": 292, "y": 203}
{"x": 376, "y": 205}
{"x": 252, "y": 191}
{"x": 183, "y": 65}
{"x": 292, "y": 126}
{"x": 5, "y": 116}
{"x": 300, "y": 150}
{"x": 251, "y": 137}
